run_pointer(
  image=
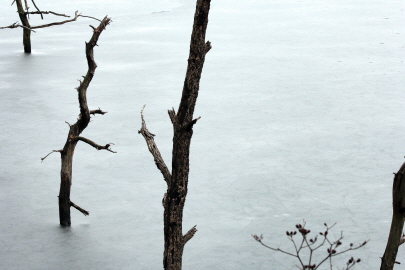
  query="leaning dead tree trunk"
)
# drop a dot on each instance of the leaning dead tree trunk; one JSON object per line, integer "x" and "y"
{"x": 396, "y": 236}
{"x": 76, "y": 129}
{"x": 24, "y": 12}
{"x": 177, "y": 181}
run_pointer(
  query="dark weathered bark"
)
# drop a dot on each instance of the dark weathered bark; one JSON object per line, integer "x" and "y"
{"x": 76, "y": 129}
{"x": 177, "y": 182}
{"x": 26, "y": 29}
{"x": 398, "y": 218}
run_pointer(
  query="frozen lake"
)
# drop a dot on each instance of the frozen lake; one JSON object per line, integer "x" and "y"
{"x": 301, "y": 106}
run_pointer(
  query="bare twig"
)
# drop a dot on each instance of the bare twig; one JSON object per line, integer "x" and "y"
{"x": 42, "y": 17}
{"x": 15, "y": 25}
{"x": 60, "y": 151}
{"x": 98, "y": 147}
{"x": 26, "y": 5}
{"x": 91, "y": 18}
{"x": 154, "y": 150}
{"x": 47, "y": 12}
{"x": 56, "y": 23}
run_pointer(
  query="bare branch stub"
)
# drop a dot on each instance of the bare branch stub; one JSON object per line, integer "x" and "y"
{"x": 98, "y": 111}
{"x": 154, "y": 150}
{"x": 189, "y": 234}
{"x": 84, "y": 212}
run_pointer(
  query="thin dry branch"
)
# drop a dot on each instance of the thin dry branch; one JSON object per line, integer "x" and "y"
{"x": 53, "y": 151}
{"x": 259, "y": 239}
{"x": 47, "y": 12}
{"x": 15, "y": 25}
{"x": 26, "y": 5}
{"x": 84, "y": 212}
{"x": 57, "y": 23}
{"x": 154, "y": 150}
{"x": 91, "y": 18}
{"x": 42, "y": 17}
{"x": 97, "y": 146}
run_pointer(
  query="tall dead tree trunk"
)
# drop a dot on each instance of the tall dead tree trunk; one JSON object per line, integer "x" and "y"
{"x": 26, "y": 29}
{"x": 76, "y": 129}
{"x": 177, "y": 181}
{"x": 395, "y": 238}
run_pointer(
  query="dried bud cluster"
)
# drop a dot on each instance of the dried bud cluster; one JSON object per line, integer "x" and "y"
{"x": 290, "y": 234}
{"x": 331, "y": 251}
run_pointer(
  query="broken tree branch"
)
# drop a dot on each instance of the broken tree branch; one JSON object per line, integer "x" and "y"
{"x": 189, "y": 234}
{"x": 15, "y": 25}
{"x": 98, "y": 111}
{"x": 84, "y": 212}
{"x": 53, "y": 151}
{"x": 97, "y": 146}
{"x": 154, "y": 150}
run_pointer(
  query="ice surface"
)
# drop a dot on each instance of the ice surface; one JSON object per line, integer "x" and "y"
{"x": 302, "y": 118}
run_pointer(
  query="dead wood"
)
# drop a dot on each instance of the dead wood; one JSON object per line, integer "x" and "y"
{"x": 76, "y": 129}
{"x": 396, "y": 236}
{"x": 177, "y": 182}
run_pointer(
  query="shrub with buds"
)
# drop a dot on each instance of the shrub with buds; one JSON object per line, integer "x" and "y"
{"x": 310, "y": 245}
